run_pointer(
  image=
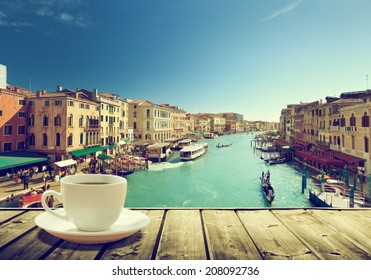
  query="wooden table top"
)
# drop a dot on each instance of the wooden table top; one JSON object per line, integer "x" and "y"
{"x": 198, "y": 234}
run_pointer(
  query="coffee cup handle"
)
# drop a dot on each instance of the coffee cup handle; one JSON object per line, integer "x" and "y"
{"x": 46, "y": 207}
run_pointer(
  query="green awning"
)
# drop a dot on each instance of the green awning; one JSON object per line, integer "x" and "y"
{"x": 20, "y": 158}
{"x": 87, "y": 151}
{"x": 104, "y": 157}
{"x": 286, "y": 147}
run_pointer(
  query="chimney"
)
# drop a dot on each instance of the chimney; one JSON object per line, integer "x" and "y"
{"x": 59, "y": 88}
{"x": 3, "y": 76}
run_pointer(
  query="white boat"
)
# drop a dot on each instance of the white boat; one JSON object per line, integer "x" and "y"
{"x": 184, "y": 143}
{"x": 210, "y": 135}
{"x": 193, "y": 151}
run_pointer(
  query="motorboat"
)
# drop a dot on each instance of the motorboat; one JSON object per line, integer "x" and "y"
{"x": 194, "y": 151}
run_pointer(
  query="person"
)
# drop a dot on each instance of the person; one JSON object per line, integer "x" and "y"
{"x": 50, "y": 199}
{"x": 26, "y": 181}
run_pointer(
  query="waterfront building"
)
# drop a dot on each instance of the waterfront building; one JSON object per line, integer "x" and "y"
{"x": 217, "y": 124}
{"x": 202, "y": 122}
{"x": 149, "y": 121}
{"x": 13, "y": 118}
{"x": 178, "y": 120}
{"x": 190, "y": 123}
{"x": 62, "y": 122}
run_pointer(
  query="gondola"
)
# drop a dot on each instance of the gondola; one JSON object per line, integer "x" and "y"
{"x": 266, "y": 187}
{"x": 223, "y": 146}
{"x": 124, "y": 172}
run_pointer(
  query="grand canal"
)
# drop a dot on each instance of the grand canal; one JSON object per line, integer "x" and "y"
{"x": 222, "y": 178}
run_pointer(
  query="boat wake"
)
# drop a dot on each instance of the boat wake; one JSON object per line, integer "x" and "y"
{"x": 164, "y": 165}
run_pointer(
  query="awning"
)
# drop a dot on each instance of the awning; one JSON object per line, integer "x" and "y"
{"x": 20, "y": 158}
{"x": 66, "y": 162}
{"x": 345, "y": 157}
{"x": 104, "y": 157}
{"x": 327, "y": 161}
{"x": 157, "y": 145}
{"x": 87, "y": 151}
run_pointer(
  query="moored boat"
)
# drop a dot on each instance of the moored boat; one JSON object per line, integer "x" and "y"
{"x": 266, "y": 187}
{"x": 193, "y": 151}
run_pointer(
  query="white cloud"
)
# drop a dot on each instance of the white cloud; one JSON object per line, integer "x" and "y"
{"x": 284, "y": 10}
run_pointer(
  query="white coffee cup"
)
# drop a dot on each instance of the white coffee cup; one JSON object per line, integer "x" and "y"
{"x": 93, "y": 202}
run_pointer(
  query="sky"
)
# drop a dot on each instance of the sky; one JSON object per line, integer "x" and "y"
{"x": 252, "y": 57}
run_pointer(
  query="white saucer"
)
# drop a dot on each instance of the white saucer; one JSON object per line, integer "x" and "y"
{"x": 128, "y": 223}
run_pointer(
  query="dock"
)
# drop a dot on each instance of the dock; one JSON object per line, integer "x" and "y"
{"x": 205, "y": 234}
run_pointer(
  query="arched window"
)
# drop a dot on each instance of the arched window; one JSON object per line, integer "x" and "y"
{"x": 148, "y": 113}
{"x": 31, "y": 120}
{"x": 342, "y": 121}
{"x": 45, "y": 120}
{"x": 58, "y": 139}
{"x": 135, "y": 125}
{"x": 135, "y": 114}
{"x": 339, "y": 140}
{"x": 352, "y": 120}
{"x": 70, "y": 120}
{"x": 70, "y": 139}
{"x": 58, "y": 120}
{"x": 148, "y": 125}
{"x": 81, "y": 138}
{"x": 330, "y": 139}
{"x": 81, "y": 121}
{"x": 31, "y": 140}
{"x": 365, "y": 120}
{"x": 343, "y": 140}
{"x": 45, "y": 139}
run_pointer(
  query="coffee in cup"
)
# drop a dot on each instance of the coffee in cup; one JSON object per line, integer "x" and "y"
{"x": 93, "y": 202}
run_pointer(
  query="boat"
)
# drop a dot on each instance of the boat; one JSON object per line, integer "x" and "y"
{"x": 194, "y": 151}
{"x": 277, "y": 160}
{"x": 124, "y": 172}
{"x": 210, "y": 135}
{"x": 266, "y": 187}
{"x": 184, "y": 143}
{"x": 224, "y": 145}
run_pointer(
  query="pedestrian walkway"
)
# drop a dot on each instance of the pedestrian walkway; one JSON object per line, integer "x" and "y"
{"x": 10, "y": 188}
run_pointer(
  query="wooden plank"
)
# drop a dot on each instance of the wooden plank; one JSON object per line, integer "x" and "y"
{"x": 30, "y": 247}
{"x": 348, "y": 223}
{"x": 182, "y": 236}
{"x": 226, "y": 237}
{"x": 139, "y": 246}
{"x": 8, "y": 214}
{"x": 324, "y": 242}
{"x": 73, "y": 251}
{"x": 15, "y": 227}
{"x": 272, "y": 238}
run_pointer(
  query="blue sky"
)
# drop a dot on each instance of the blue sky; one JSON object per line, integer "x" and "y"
{"x": 252, "y": 57}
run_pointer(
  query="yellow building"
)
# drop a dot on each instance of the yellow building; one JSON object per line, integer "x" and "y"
{"x": 178, "y": 120}
{"x": 62, "y": 122}
{"x": 150, "y": 121}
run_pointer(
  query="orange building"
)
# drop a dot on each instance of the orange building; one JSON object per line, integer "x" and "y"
{"x": 13, "y": 119}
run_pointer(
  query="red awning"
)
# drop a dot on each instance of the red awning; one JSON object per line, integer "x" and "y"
{"x": 302, "y": 143}
{"x": 281, "y": 143}
{"x": 320, "y": 159}
{"x": 345, "y": 157}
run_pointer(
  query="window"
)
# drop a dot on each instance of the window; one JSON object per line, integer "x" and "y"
{"x": 45, "y": 139}
{"x": 365, "y": 120}
{"x": 46, "y": 103}
{"x": 70, "y": 140}
{"x": 70, "y": 120}
{"x": 330, "y": 139}
{"x": 58, "y": 139}
{"x": 342, "y": 121}
{"x": 148, "y": 125}
{"x": 352, "y": 120}
{"x": 57, "y": 120}
{"x": 82, "y": 106}
{"x": 353, "y": 142}
{"x": 343, "y": 140}
{"x": 81, "y": 138}
{"x": 31, "y": 120}
{"x": 148, "y": 113}
{"x": 58, "y": 103}
{"x": 8, "y": 130}
{"x": 45, "y": 120}
{"x": 7, "y": 147}
{"x": 366, "y": 144}
{"x": 135, "y": 114}
{"x": 70, "y": 103}
{"x": 21, "y": 114}
{"x": 1, "y": 112}
{"x": 21, "y": 129}
{"x": 81, "y": 121}
{"x": 20, "y": 145}
{"x": 31, "y": 103}
{"x": 31, "y": 140}
{"x": 135, "y": 125}
{"x": 22, "y": 102}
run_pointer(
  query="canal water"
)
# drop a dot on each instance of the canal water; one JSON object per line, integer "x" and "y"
{"x": 222, "y": 178}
